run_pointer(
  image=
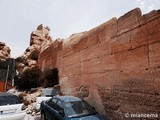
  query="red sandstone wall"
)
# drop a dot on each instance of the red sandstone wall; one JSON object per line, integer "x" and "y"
{"x": 116, "y": 66}
{"x": 48, "y": 58}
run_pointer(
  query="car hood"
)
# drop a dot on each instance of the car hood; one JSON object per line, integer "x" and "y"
{"x": 91, "y": 117}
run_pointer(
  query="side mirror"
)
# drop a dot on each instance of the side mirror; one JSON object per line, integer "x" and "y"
{"x": 61, "y": 112}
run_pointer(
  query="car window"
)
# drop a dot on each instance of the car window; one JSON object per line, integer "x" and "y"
{"x": 49, "y": 92}
{"x": 78, "y": 108}
{"x": 59, "y": 105}
{"x": 9, "y": 100}
{"x": 52, "y": 103}
{"x": 56, "y": 105}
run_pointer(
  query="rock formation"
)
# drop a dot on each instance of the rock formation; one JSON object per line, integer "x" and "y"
{"x": 4, "y": 51}
{"x": 39, "y": 40}
{"x": 115, "y": 66}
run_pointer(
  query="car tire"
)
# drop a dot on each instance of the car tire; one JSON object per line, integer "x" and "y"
{"x": 43, "y": 117}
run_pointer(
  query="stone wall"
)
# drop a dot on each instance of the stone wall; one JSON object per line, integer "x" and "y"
{"x": 115, "y": 66}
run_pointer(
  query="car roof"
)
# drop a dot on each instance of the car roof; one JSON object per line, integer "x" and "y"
{"x": 8, "y": 99}
{"x": 68, "y": 98}
{"x": 5, "y": 94}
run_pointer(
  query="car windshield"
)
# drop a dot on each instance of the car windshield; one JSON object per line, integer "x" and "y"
{"x": 9, "y": 100}
{"x": 78, "y": 109}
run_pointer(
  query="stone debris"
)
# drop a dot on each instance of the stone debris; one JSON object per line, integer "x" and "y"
{"x": 29, "y": 99}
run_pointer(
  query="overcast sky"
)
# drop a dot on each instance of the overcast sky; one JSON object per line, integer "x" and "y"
{"x": 65, "y": 17}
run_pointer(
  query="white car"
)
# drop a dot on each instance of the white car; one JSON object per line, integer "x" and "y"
{"x": 39, "y": 100}
{"x": 11, "y": 108}
{"x": 45, "y": 95}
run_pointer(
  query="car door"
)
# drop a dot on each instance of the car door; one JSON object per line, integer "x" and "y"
{"x": 59, "y": 111}
{"x": 50, "y": 111}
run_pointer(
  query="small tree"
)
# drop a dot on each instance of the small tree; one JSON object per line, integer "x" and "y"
{"x": 31, "y": 78}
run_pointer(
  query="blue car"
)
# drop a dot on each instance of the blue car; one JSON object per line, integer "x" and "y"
{"x": 68, "y": 108}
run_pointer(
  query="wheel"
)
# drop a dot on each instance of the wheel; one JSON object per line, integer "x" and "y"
{"x": 43, "y": 116}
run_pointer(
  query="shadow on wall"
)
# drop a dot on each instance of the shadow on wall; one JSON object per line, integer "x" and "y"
{"x": 51, "y": 77}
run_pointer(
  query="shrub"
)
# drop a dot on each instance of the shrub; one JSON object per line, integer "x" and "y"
{"x": 31, "y": 78}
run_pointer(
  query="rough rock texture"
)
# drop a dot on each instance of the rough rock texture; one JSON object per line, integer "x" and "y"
{"x": 4, "y": 51}
{"x": 115, "y": 66}
{"x": 40, "y": 40}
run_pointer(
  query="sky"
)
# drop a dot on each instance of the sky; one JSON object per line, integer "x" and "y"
{"x": 18, "y": 18}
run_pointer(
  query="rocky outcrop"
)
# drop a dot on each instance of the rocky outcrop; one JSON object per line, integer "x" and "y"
{"x": 4, "y": 51}
{"x": 39, "y": 40}
{"x": 115, "y": 66}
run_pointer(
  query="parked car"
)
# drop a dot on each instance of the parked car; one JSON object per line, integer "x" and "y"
{"x": 45, "y": 95}
{"x": 11, "y": 107}
{"x": 68, "y": 108}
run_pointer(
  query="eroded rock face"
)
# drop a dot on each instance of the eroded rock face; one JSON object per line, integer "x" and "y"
{"x": 41, "y": 37}
{"x": 4, "y": 51}
{"x": 115, "y": 66}
{"x": 40, "y": 40}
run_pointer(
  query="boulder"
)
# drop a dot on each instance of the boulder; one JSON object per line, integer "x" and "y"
{"x": 39, "y": 41}
{"x": 4, "y": 51}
